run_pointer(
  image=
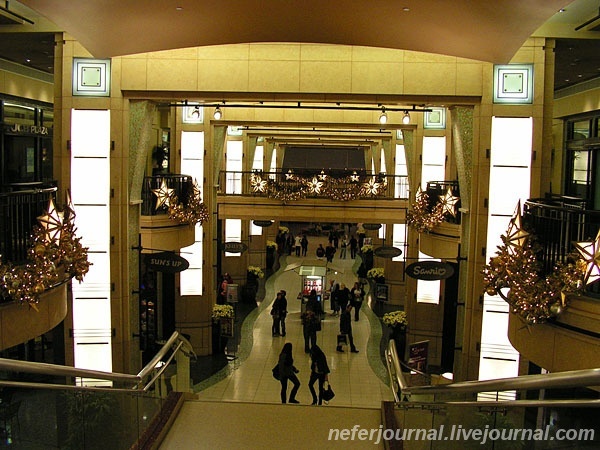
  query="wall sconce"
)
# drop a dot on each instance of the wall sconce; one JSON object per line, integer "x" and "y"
{"x": 218, "y": 113}
{"x": 406, "y": 118}
{"x": 383, "y": 116}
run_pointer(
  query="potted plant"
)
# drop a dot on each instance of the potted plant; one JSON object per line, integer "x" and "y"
{"x": 220, "y": 312}
{"x": 271, "y": 248}
{"x": 255, "y": 272}
{"x": 397, "y": 323}
{"x": 377, "y": 274}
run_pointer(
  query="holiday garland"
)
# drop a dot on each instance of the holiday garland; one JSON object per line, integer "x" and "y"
{"x": 515, "y": 274}
{"x": 296, "y": 187}
{"x": 193, "y": 212}
{"x": 422, "y": 219}
{"x": 53, "y": 255}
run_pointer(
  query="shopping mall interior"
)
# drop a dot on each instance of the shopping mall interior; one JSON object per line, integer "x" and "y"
{"x": 167, "y": 170}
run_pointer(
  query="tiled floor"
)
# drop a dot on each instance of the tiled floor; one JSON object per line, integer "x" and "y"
{"x": 358, "y": 379}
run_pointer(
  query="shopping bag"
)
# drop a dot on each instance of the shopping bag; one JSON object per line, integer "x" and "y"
{"x": 328, "y": 393}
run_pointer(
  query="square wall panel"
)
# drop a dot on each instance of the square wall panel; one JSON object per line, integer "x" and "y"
{"x": 91, "y": 77}
{"x": 435, "y": 119}
{"x": 513, "y": 83}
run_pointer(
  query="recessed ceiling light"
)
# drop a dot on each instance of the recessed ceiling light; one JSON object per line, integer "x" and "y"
{"x": 561, "y": 10}
{"x": 406, "y": 9}
{"x": 28, "y": 60}
{"x": 179, "y": 8}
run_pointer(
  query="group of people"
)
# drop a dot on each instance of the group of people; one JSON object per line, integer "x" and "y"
{"x": 319, "y": 371}
{"x": 288, "y": 243}
{"x": 341, "y": 297}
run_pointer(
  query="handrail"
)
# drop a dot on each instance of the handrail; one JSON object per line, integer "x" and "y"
{"x": 136, "y": 380}
{"x": 502, "y": 404}
{"x": 573, "y": 378}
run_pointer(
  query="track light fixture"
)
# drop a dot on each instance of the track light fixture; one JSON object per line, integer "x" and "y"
{"x": 383, "y": 116}
{"x": 196, "y": 112}
{"x": 218, "y": 113}
{"x": 406, "y": 118}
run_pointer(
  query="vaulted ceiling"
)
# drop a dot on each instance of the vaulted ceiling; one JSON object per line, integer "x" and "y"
{"x": 481, "y": 30}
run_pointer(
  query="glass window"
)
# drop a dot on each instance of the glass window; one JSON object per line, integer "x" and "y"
{"x": 433, "y": 167}
{"x": 580, "y": 129}
{"x": 19, "y": 114}
{"x": 19, "y": 159}
{"x": 233, "y": 166}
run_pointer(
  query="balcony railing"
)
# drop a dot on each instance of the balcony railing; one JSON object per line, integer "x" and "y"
{"x": 338, "y": 185}
{"x": 557, "y": 224}
{"x": 181, "y": 185}
{"x": 20, "y": 206}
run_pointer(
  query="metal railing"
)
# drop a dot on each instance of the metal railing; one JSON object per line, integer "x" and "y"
{"x": 20, "y": 207}
{"x": 90, "y": 417}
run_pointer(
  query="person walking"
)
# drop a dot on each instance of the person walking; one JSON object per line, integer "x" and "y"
{"x": 343, "y": 297}
{"x": 329, "y": 252}
{"x": 344, "y": 246}
{"x": 311, "y": 323}
{"x": 298, "y": 244}
{"x": 287, "y": 371}
{"x": 282, "y": 310}
{"x": 353, "y": 247}
{"x": 357, "y": 294}
{"x": 275, "y": 311}
{"x": 319, "y": 370}
{"x": 304, "y": 244}
{"x": 346, "y": 328}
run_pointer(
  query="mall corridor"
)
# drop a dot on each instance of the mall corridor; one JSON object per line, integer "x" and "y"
{"x": 244, "y": 394}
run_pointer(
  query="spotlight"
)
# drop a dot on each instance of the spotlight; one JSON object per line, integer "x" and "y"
{"x": 218, "y": 113}
{"x": 196, "y": 112}
{"x": 406, "y": 118}
{"x": 383, "y": 117}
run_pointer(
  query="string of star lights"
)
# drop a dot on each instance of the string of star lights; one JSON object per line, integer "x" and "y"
{"x": 422, "y": 218}
{"x": 296, "y": 187}
{"x": 54, "y": 254}
{"x": 516, "y": 275}
{"x": 192, "y": 212}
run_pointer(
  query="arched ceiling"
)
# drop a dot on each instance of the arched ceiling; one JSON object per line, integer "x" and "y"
{"x": 483, "y": 30}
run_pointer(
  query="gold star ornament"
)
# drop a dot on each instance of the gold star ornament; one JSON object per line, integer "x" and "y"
{"x": 448, "y": 202}
{"x": 51, "y": 221}
{"x": 163, "y": 195}
{"x": 590, "y": 251}
{"x": 516, "y": 236}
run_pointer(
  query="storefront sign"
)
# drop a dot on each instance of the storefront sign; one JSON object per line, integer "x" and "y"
{"x": 167, "y": 262}
{"x": 429, "y": 270}
{"x": 234, "y": 247}
{"x": 387, "y": 252}
{"x": 262, "y": 223}
{"x": 371, "y": 226}
{"x": 26, "y": 129}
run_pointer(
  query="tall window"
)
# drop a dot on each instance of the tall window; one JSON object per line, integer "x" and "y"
{"x": 383, "y": 164}
{"x": 433, "y": 165}
{"x": 90, "y": 152}
{"x": 233, "y": 166}
{"x": 192, "y": 163}
{"x": 510, "y": 160}
{"x": 259, "y": 155}
{"x": 401, "y": 172}
{"x": 233, "y": 233}
{"x": 428, "y": 291}
{"x": 399, "y": 240}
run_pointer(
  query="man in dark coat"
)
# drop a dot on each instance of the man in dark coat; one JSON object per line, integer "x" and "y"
{"x": 346, "y": 328}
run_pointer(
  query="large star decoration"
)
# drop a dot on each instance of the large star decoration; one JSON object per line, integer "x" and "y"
{"x": 163, "y": 195}
{"x": 419, "y": 194}
{"x": 516, "y": 236}
{"x": 315, "y": 185}
{"x": 591, "y": 255}
{"x": 322, "y": 175}
{"x": 371, "y": 187}
{"x": 51, "y": 221}
{"x": 69, "y": 214}
{"x": 289, "y": 175}
{"x": 258, "y": 184}
{"x": 196, "y": 189}
{"x": 448, "y": 202}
